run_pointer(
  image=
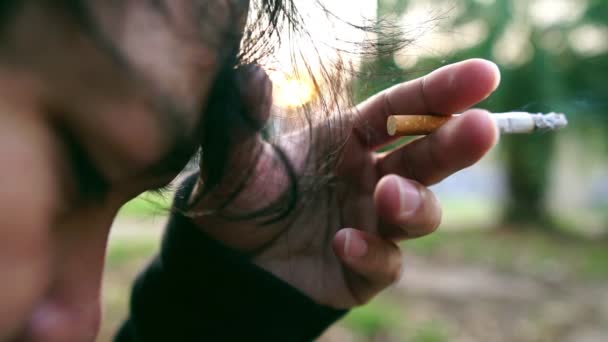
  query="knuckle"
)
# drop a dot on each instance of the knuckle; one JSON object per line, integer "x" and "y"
{"x": 396, "y": 266}
{"x": 387, "y": 106}
{"x": 397, "y": 273}
{"x": 436, "y": 221}
{"x": 437, "y": 162}
{"x": 365, "y": 299}
{"x": 437, "y": 213}
{"x": 409, "y": 165}
{"x": 430, "y": 214}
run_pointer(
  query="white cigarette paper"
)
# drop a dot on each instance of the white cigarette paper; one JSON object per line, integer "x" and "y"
{"x": 523, "y": 122}
{"x": 507, "y": 123}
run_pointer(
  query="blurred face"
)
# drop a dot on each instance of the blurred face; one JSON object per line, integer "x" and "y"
{"x": 99, "y": 101}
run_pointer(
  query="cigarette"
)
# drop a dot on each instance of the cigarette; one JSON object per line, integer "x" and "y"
{"x": 507, "y": 123}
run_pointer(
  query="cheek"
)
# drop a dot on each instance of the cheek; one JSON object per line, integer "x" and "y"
{"x": 121, "y": 139}
{"x": 28, "y": 202}
{"x": 51, "y": 254}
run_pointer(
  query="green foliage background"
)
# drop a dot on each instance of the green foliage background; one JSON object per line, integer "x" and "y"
{"x": 556, "y": 77}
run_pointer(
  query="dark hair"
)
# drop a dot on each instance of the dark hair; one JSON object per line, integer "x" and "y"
{"x": 260, "y": 38}
{"x": 223, "y": 111}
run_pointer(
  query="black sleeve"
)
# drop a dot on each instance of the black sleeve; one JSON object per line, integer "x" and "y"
{"x": 199, "y": 290}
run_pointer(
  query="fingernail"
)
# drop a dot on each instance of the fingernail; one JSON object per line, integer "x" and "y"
{"x": 409, "y": 197}
{"x": 354, "y": 245}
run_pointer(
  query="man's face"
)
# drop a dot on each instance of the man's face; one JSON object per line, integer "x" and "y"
{"x": 99, "y": 100}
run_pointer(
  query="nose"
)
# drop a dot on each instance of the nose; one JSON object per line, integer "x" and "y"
{"x": 70, "y": 310}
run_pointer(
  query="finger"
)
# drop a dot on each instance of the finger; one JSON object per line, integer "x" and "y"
{"x": 447, "y": 90}
{"x": 256, "y": 91}
{"x": 406, "y": 208}
{"x": 458, "y": 144}
{"x": 375, "y": 263}
{"x": 248, "y": 154}
{"x": 247, "y": 145}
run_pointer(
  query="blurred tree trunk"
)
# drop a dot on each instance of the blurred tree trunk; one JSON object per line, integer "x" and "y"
{"x": 528, "y": 157}
{"x": 527, "y": 165}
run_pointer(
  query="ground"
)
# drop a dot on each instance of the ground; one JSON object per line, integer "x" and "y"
{"x": 458, "y": 285}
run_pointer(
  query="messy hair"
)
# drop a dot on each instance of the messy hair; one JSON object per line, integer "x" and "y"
{"x": 271, "y": 21}
{"x": 270, "y": 25}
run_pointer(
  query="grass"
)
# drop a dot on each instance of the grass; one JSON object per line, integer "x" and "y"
{"x": 432, "y": 331}
{"x": 127, "y": 255}
{"x": 530, "y": 252}
{"x": 122, "y": 252}
{"x": 384, "y": 317}
{"x": 468, "y": 213}
{"x": 388, "y": 317}
{"x": 377, "y": 316}
{"x": 533, "y": 253}
{"x": 148, "y": 204}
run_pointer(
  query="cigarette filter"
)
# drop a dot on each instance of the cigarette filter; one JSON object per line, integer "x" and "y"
{"x": 508, "y": 123}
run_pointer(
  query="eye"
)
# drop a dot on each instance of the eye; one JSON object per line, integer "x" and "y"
{"x": 88, "y": 180}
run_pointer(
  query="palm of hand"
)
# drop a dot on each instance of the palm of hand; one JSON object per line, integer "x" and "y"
{"x": 303, "y": 254}
{"x": 383, "y": 197}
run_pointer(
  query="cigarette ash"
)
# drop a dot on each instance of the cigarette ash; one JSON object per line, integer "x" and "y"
{"x": 550, "y": 122}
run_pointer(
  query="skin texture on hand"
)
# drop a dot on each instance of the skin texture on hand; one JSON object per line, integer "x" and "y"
{"x": 340, "y": 246}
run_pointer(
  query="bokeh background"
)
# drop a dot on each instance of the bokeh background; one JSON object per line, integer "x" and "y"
{"x": 522, "y": 254}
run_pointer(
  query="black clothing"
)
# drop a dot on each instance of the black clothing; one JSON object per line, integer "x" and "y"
{"x": 200, "y": 290}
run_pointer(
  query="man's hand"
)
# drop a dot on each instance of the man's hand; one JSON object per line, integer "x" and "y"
{"x": 340, "y": 246}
